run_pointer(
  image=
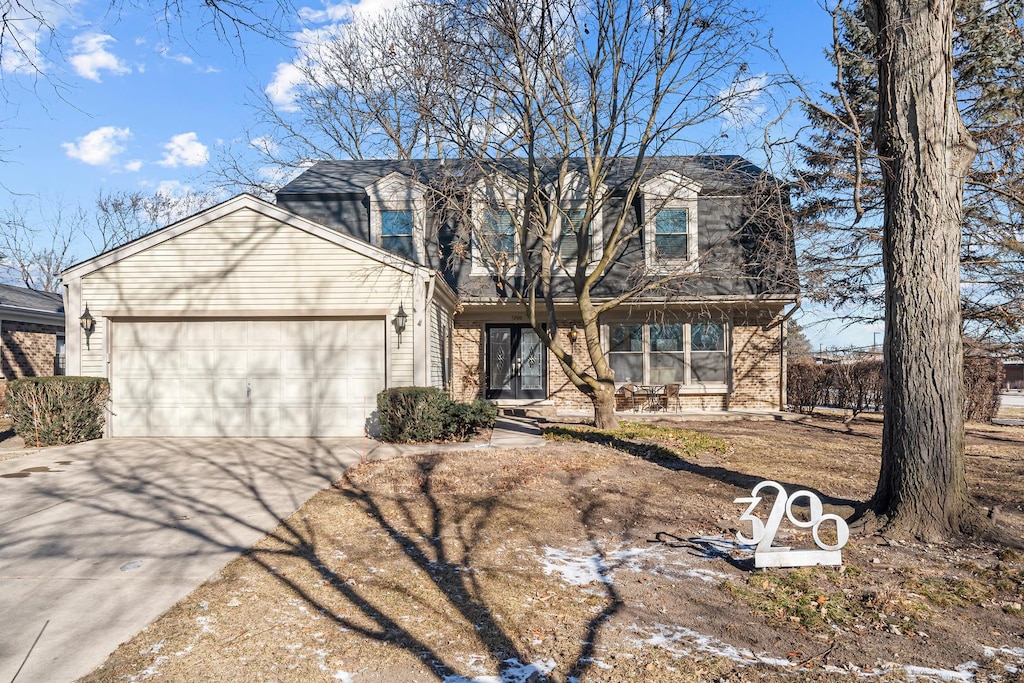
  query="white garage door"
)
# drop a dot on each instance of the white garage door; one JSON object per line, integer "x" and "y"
{"x": 245, "y": 377}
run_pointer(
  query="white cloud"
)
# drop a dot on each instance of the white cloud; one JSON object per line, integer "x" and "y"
{"x": 265, "y": 144}
{"x": 133, "y": 166}
{"x": 91, "y": 56}
{"x": 741, "y": 101}
{"x": 346, "y": 11}
{"x": 283, "y": 88}
{"x": 165, "y": 52}
{"x": 29, "y": 30}
{"x": 99, "y": 146}
{"x": 184, "y": 149}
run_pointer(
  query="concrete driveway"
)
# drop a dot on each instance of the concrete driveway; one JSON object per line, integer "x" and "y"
{"x": 99, "y": 539}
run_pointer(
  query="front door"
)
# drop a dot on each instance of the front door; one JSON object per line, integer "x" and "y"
{"x": 516, "y": 363}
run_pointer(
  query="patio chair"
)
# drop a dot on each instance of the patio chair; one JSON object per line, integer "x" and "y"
{"x": 627, "y": 391}
{"x": 672, "y": 392}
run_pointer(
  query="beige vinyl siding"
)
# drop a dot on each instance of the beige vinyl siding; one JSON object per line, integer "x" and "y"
{"x": 246, "y": 264}
{"x": 440, "y": 322}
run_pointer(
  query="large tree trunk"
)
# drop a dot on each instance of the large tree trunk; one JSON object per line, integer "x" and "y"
{"x": 926, "y": 152}
{"x": 604, "y": 407}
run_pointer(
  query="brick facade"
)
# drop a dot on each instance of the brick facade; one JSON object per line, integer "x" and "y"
{"x": 756, "y": 369}
{"x": 28, "y": 349}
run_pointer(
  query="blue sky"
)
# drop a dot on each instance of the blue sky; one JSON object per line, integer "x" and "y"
{"x": 130, "y": 104}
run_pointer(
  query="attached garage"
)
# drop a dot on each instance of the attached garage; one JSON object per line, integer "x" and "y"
{"x": 247, "y": 320}
{"x": 245, "y": 377}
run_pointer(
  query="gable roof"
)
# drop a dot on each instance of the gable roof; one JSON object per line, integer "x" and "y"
{"x": 717, "y": 174}
{"x": 30, "y": 299}
{"x": 242, "y": 201}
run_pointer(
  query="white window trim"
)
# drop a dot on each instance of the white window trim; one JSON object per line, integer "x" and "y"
{"x": 687, "y": 386}
{"x": 671, "y": 190}
{"x": 396, "y": 192}
{"x": 494, "y": 194}
{"x": 573, "y": 197}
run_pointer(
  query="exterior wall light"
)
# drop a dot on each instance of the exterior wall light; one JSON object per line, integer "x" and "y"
{"x": 88, "y": 323}
{"x": 399, "y": 323}
{"x": 573, "y": 334}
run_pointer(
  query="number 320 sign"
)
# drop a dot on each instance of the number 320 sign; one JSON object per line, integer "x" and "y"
{"x": 763, "y": 533}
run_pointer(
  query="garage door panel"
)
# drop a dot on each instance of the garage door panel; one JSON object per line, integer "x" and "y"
{"x": 264, "y": 362}
{"x": 246, "y": 377}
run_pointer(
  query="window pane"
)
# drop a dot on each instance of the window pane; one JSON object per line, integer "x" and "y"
{"x": 568, "y": 245}
{"x": 667, "y": 337}
{"x": 394, "y": 223}
{"x": 400, "y": 245}
{"x": 626, "y": 337}
{"x": 670, "y": 234}
{"x": 707, "y": 337}
{"x": 667, "y": 368}
{"x": 628, "y": 367}
{"x": 708, "y": 367}
{"x": 499, "y": 233}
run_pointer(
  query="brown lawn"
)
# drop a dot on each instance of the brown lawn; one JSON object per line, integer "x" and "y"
{"x": 590, "y": 562}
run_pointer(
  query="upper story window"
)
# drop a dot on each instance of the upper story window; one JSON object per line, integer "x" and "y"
{"x": 571, "y": 198}
{"x": 669, "y": 353}
{"x": 569, "y": 238}
{"x": 498, "y": 236}
{"x": 497, "y": 215}
{"x": 671, "y": 235}
{"x": 397, "y": 232}
{"x": 670, "y": 232}
{"x": 398, "y": 216}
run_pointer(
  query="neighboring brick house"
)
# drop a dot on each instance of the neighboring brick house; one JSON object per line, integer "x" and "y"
{"x": 31, "y": 333}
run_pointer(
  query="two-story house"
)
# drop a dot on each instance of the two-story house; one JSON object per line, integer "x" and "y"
{"x": 251, "y": 318}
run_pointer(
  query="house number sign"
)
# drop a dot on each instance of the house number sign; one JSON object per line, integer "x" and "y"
{"x": 763, "y": 533}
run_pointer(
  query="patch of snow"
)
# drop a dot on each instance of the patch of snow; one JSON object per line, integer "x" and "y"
{"x": 153, "y": 649}
{"x": 682, "y": 641}
{"x": 1007, "y": 651}
{"x": 515, "y": 672}
{"x": 916, "y": 672}
{"x": 205, "y": 623}
{"x": 343, "y": 676}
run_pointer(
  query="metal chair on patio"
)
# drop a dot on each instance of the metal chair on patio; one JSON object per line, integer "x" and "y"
{"x": 627, "y": 391}
{"x": 672, "y": 392}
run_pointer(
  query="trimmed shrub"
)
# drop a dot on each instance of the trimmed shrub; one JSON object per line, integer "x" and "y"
{"x": 464, "y": 419}
{"x": 983, "y": 381}
{"x": 423, "y": 414}
{"x": 53, "y": 411}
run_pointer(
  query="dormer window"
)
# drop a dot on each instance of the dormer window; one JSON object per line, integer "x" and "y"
{"x": 568, "y": 243}
{"x": 671, "y": 235}
{"x": 570, "y": 200}
{"x": 497, "y": 210}
{"x": 398, "y": 216}
{"x": 670, "y": 230}
{"x": 397, "y": 232}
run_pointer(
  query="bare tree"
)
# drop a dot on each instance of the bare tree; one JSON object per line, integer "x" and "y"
{"x": 926, "y": 153}
{"x": 34, "y": 256}
{"x": 558, "y": 111}
{"x": 123, "y": 216}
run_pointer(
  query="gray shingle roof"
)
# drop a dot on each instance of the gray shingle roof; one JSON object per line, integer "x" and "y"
{"x": 716, "y": 174}
{"x": 22, "y": 297}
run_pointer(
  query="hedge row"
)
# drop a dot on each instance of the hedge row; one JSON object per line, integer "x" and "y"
{"x": 53, "y": 411}
{"x": 858, "y": 386}
{"x": 422, "y": 414}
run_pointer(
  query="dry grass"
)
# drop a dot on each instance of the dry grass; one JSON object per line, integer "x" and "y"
{"x": 454, "y": 565}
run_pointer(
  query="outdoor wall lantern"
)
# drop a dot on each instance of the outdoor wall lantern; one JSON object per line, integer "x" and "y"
{"x": 573, "y": 334}
{"x": 399, "y": 323}
{"x": 88, "y": 324}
